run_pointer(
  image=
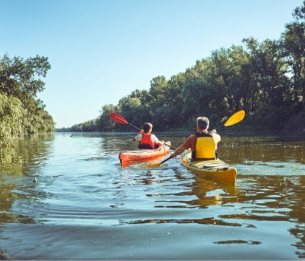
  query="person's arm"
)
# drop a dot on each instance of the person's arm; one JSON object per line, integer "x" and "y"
{"x": 216, "y": 137}
{"x": 178, "y": 151}
{"x": 186, "y": 145}
{"x": 156, "y": 141}
{"x": 138, "y": 137}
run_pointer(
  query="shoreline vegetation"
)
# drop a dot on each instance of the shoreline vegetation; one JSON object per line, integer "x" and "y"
{"x": 266, "y": 79}
{"x": 21, "y": 113}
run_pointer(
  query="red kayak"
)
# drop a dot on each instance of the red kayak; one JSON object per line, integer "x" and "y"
{"x": 136, "y": 156}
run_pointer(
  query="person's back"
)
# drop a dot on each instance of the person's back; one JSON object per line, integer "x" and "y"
{"x": 146, "y": 139}
{"x": 205, "y": 146}
{"x": 203, "y": 143}
{"x": 146, "y": 142}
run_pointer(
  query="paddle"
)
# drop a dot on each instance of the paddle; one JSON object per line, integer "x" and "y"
{"x": 165, "y": 160}
{"x": 157, "y": 164}
{"x": 235, "y": 118}
{"x": 120, "y": 119}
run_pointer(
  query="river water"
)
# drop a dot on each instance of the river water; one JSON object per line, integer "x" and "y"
{"x": 84, "y": 205}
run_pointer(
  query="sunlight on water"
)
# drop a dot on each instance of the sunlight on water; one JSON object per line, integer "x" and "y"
{"x": 271, "y": 168}
{"x": 67, "y": 197}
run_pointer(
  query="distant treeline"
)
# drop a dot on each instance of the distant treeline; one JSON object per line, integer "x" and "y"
{"x": 265, "y": 79}
{"x": 21, "y": 113}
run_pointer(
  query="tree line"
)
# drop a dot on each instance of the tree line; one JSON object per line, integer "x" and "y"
{"x": 21, "y": 112}
{"x": 266, "y": 79}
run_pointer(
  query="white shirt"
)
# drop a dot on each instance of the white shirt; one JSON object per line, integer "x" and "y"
{"x": 153, "y": 138}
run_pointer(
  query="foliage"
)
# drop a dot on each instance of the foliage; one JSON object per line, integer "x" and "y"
{"x": 20, "y": 112}
{"x": 266, "y": 79}
{"x": 11, "y": 115}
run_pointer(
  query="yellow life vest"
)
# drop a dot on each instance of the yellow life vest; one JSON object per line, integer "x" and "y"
{"x": 205, "y": 146}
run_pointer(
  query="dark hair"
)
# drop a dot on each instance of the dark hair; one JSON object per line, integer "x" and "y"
{"x": 203, "y": 122}
{"x": 147, "y": 127}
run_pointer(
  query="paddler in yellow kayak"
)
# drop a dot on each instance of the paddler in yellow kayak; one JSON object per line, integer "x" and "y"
{"x": 146, "y": 139}
{"x": 203, "y": 143}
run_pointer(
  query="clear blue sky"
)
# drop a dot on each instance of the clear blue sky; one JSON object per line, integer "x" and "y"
{"x": 102, "y": 50}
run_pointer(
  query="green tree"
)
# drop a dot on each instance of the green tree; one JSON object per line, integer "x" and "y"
{"x": 11, "y": 119}
{"x": 293, "y": 50}
{"x": 271, "y": 85}
{"x": 19, "y": 77}
{"x": 267, "y": 79}
{"x": 19, "y": 84}
{"x": 135, "y": 108}
{"x": 104, "y": 121}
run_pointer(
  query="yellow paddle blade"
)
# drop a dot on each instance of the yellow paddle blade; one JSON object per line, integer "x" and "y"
{"x": 235, "y": 118}
{"x": 148, "y": 165}
{"x": 156, "y": 164}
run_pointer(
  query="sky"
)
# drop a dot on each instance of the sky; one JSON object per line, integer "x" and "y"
{"x": 102, "y": 50}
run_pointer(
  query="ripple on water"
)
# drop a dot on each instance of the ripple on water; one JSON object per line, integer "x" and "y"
{"x": 85, "y": 206}
{"x": 289, "y": 168}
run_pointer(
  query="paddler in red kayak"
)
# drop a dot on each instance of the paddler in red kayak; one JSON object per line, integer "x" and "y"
{"x": 146, "y": 139}
{"x": 203, "y": 143}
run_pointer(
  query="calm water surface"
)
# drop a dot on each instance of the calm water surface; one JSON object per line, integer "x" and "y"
{"x": 85, "y": 206}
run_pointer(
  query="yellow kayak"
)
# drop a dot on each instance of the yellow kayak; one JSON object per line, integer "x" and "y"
{"x": 216, "y": 169}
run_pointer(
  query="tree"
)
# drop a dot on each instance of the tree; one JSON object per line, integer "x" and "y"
{"x": 19, "y": 76}
{"x": 21, "y": 112}
{"x": 293, "y": 50}
{"x": 11, "y": 119}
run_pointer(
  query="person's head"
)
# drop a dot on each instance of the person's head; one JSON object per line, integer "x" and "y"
{"x": 203, "y": 123}
{"x": 147, "y": 127}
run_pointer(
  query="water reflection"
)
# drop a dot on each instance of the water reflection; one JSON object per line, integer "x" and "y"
{"x": 19, "y": 166}
{"x": 85, "y": 201}
{"x": 263, "y": 149}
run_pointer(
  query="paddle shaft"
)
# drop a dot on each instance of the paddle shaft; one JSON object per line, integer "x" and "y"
{"x": 134, "y": 126}
{"x": 158, "y": 164}
{"x": 220, "y": 127}
{"x": 120, "y": 119}
{"x": 166, "y": 160}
